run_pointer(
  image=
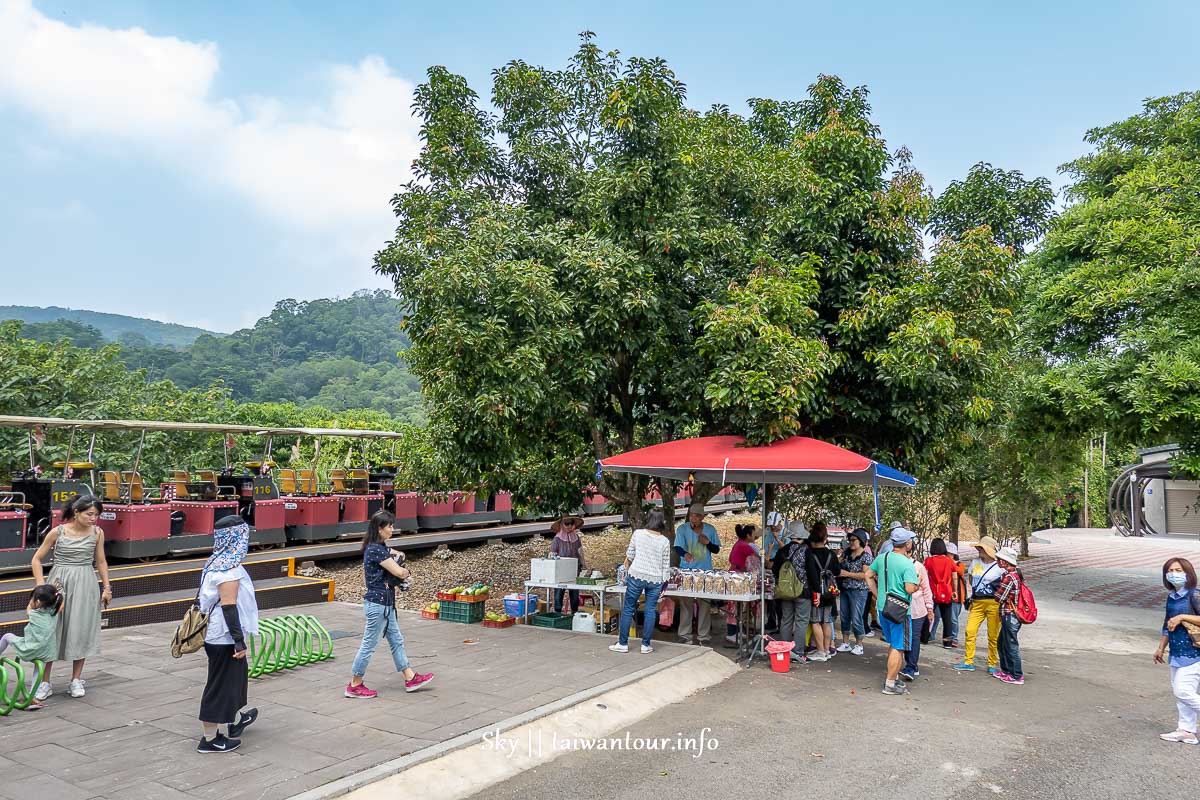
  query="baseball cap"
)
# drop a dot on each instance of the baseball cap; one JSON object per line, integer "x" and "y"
{"x": 902, "y": 535}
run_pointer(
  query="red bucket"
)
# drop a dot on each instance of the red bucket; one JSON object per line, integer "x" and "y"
{"x": 780, "y": 654}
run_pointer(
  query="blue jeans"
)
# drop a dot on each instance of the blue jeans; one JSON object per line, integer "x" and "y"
{"x": 633, "y": 592}
{"x": 854, "y": 602}
{"x": 381, "y": 621}
{"x": 1010, "y": 649}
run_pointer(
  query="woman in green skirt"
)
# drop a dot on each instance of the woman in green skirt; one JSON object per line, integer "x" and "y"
{"x": 78, "y": 551}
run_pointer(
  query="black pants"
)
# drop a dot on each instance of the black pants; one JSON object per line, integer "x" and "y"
{"x": 946, "y": 612}
{"x": 913, "y": 655}
{"x": 558, "y": 600}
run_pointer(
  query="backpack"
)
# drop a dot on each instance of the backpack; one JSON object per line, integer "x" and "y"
{"x": 789, "y": 586}
{"x": 943, "y": 591}
{"x": 827, "y": 586}
{"x": 1026, "y": 607}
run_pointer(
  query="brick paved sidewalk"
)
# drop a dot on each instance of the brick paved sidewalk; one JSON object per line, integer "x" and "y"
{"x": 134, "y": 735}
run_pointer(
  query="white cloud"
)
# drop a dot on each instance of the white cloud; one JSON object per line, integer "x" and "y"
{"x": 329, "y": 170}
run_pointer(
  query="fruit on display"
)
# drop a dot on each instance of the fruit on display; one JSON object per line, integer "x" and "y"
{"x": 493, "y": 616}
{"x": 433, "y": 608}
{"x": 474, "y": 590}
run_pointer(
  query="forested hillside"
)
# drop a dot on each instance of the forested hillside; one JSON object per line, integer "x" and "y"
{"x": 337, "y": 354}
{"x": 52, "y": 323}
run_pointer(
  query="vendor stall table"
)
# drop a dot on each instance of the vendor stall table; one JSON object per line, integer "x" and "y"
{"x": 745, "y": 641}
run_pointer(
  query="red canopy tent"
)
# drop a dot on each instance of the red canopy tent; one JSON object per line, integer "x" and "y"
{"x": 727, "y": 459}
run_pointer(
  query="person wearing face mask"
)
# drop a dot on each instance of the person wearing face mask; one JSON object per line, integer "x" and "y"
{"x": 1183, "y": 605}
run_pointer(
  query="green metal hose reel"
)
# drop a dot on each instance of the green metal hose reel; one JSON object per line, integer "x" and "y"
{"x": 288, "y": 642}
{"x": 14, "y": 691}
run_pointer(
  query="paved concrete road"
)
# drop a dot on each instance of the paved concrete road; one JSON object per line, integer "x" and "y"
{"x": 1080, "y": 728}
{"x": 1085, "y": 725}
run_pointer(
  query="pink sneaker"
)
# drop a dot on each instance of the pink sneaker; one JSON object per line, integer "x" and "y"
{"x": 360, "y": 692}
{"x": 418, "y": 680}
{"x": 999, "y": 675}
{"x": 1014, "y": 681}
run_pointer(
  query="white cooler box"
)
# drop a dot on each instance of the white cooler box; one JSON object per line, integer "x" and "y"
{"x": 553, "y": 570}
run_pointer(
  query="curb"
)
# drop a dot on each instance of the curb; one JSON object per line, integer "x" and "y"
{"x": 362, "y": 779}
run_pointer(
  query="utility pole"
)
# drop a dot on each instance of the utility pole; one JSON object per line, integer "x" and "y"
{"x": 1086, "y": 466}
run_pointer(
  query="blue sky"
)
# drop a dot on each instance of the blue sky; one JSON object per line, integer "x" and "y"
{"x": 195, "y": 162}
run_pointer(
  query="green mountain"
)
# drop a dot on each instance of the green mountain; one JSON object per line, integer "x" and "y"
{"x": 40, "y": 324}
{"x": 338, "y": 354}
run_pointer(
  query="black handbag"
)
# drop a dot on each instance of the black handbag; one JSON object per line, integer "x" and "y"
{"x": 895, "y": 607}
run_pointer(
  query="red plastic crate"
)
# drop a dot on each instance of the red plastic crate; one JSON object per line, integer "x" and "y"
{"x": 508, "y": 623}
{"x": 429, "y": 614}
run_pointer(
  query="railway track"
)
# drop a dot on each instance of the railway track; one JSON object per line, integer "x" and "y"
{"x": 161, "y": 591}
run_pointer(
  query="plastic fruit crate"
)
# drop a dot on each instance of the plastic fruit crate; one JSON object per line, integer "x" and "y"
{"x": 517, "y": 605}
{"x": 472, "y": 598}
{"x": 454, "y": 611}
{"x": 508, "y": 623}
{"x": 446, "y": 596}
{"x": 552, "y": 620}
{"x": 429, "y": 614}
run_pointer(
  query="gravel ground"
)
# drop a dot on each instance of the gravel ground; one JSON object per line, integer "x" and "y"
{"x": 502, "y": 566}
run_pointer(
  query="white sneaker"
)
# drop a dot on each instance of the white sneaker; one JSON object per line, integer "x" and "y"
{"x": 647, "y": 649}
{"x": 76, "y": 688}
{"x": 819, "y": 657}
{"x": 44, "y": 690}
{"x": 1184, "y": 737}
{"x": 844, "y": 647}
{"x": 856, "y": 650}
{"x": 619, "y": 648}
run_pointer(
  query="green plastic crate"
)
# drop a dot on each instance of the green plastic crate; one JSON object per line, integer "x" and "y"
{"x": 457, "y": 611}
{"x": 552, "y": 620}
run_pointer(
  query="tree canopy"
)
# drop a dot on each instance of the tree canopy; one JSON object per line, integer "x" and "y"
{"x": 1115, "y": 286}
{"x": 57, "y": 379}
{"x": 332, "y": 353}
{"x": 598, "y": 267}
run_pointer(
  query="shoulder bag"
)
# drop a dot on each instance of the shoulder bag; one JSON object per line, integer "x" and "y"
{"x": 1194, "y": 630}
{"x": 189, "y": 636}
{"x": 895, "y": 606}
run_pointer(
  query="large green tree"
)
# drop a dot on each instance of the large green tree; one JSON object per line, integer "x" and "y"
{"x": 1016, "y": 209}
{"x": 1116, "y": 283}
{"x": 985, "y": 460}
{"x": 596, "y": 267}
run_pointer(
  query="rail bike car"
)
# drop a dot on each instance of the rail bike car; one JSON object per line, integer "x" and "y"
{"x": 471, "y": 509}
{"x": 258, "y": 499}
{"x": 356, "y": 500}
{"x": 136, "y": 523}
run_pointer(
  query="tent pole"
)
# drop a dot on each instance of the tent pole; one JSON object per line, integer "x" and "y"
{"x": 875, "y": 487}
{"x": 768, "y": 497}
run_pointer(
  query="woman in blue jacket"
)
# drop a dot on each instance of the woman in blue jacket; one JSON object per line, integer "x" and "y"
{"x": 1183, "y": 605}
